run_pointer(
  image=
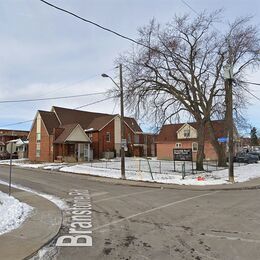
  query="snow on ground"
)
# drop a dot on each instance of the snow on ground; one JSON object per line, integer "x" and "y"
{"x": 56, "y": 200}
{"x": 162, "y": 171}
{"x": 12, "y": 213}
{"x": 242, "y": 173}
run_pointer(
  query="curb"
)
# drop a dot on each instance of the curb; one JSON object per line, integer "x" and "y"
{"x": 158, "y": 185}
{"x": 39, "y": 229}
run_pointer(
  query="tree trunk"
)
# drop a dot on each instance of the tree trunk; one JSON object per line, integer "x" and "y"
{"x": 219, "y": 148}
{"x": 201, "y": 141}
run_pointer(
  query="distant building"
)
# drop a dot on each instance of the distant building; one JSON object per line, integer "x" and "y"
{"x": 72, "y": 135}
{"x": 185, "y": 135}
{"x": 21, "y": 147}
{"x": 8, "y": 135}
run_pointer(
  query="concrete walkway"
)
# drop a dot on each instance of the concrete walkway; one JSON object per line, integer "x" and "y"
{"x": 38, "y": 229}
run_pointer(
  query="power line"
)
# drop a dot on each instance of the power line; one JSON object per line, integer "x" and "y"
{"x": 252, "y": 94}
{"x": 99, "y": 101}
{"x": 251, "y": 83}
{"x": 110, "y": 30}
{"x": 18, "y": 123}
{"x": 27, "y": 121}
{"x": 50, "y": 98}
{"x": 247, "y": 82}
{"x": 78, "y": 81}
{"x": 184, "y": 2}
{"x": 95, "y": 24}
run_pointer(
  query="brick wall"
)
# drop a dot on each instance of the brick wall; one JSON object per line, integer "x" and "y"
{"x": 32, "y": 143}
{"x": 165, "y": 150}
{"x": 105, "y": 146}
{"x": 46, "y": 155}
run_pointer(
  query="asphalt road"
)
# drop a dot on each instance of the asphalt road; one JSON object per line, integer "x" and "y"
{"x": 150, "y": 223}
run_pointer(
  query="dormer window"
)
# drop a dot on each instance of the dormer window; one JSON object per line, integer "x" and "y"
{"x": 186, "y": 133}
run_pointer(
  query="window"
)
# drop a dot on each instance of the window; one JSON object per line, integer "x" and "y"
{"x": 38, "y": 137}
{"x": 186, "y": 133}
{"x": 129, "y": 138}
{"x": 136, "y": 139}
{"x": 194, "y": 147}
{"x": 178, "y": 145}
{"x": 38, "y": 149}
{"x": 108, "y": 137}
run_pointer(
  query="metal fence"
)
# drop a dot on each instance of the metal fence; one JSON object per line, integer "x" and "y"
{"x": 157, "y": 166}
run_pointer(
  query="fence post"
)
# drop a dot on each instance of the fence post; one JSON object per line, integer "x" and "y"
{"x": 216, "y": 165}
{"x": 183, "y": 170}
{"x": 174, "y": 169}
{"x": 150, "y": 169}
{"x": 160, "y": 167}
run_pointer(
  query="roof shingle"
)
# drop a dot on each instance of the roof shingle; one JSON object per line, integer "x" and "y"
{"x": 168, "y": 133}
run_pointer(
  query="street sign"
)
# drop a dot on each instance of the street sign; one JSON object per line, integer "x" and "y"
{"x": 223, "y": 139}
{"x": 182, "y": 154}
{"x": 11, "y": 147}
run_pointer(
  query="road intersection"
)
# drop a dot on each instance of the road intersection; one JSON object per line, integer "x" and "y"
{"x": 152, "y": 223}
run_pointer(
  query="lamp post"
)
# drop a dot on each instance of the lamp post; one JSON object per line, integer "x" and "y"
{"x": 122, "y": 149}
{"x": 228, "y": 76}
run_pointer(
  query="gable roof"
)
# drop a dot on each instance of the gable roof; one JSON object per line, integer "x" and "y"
{"x": 131, "y": 122}
{"x": 89, "y": 120}
{"x": 84, "y": 118}
{"x": 67, "y": 131}
{"x": 168, "y": 133}
{"x": 184, "y": 125}
{"x": 50, "y": 120}
{"x": 60, "y": 117}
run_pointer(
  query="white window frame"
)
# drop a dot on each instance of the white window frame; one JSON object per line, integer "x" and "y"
{"x": 108, "y": 137}
{"x": 38, "y": 150}
{"x": 194, "y": 150}
{"x": 186, "y": 133}
{"x": 38, "y": 137}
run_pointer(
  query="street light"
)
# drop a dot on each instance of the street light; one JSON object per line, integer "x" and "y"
{"x": 228, "y": 76}
{"x": 123, "y": 140}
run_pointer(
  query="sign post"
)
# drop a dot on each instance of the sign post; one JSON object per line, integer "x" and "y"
{"x": 182, "y": 155}
{"x": 11, "y": 147}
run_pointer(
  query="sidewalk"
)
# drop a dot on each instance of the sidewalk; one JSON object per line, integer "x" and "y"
{"x": 251, "y": 184}
{"x": 38, "y": 229}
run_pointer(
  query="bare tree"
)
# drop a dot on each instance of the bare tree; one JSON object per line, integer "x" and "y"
{"x": 180, "y": 70}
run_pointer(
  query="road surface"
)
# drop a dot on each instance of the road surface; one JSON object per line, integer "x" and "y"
{"x": 151, "y": 223}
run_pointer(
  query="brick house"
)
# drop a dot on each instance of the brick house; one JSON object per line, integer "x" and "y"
{"x": 8, "y": 135}
{"x": 184, "y": 135}
{"x": 74, "y": 135}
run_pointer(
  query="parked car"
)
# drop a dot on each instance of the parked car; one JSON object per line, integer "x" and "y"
{"x": 246, "y": 157}
{"x": 255, "y": 151}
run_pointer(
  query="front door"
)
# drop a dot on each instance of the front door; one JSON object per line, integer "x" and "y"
{"x": 71, "y": 149}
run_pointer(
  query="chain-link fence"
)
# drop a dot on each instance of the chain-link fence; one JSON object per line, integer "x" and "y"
{"x": 157, "y": 166}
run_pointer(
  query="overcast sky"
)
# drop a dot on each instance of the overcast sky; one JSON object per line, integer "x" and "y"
{"x": 46, "y": 53}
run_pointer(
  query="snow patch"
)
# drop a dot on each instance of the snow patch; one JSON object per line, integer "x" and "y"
{"x": 162, "y": 171}
{"x": 56, "y": 200}
{"x": 12, "y": 213}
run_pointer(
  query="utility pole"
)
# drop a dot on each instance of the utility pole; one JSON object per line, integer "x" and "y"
{"x": 228, "y": 75}
{"x": 122, "y": 123}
